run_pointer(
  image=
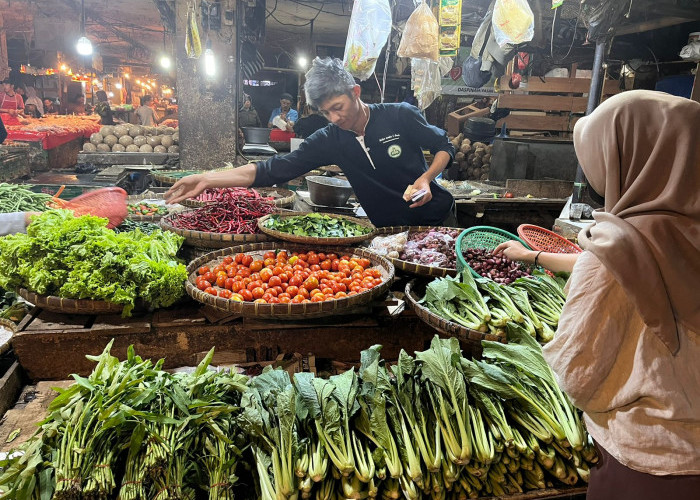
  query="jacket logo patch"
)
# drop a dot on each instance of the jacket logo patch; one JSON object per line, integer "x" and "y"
{"x": 394, "y": 150}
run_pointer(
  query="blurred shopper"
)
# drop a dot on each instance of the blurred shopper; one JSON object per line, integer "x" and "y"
{"x": 147, "y": 115}
{"x": 309, "y": 123}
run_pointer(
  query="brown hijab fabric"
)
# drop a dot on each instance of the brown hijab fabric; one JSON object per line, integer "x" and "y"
{"x": 641, "y": 150}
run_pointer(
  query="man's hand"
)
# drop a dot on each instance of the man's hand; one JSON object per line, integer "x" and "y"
{"x": 28, "y": 217}
{"x": 187, "y": 187}
{"x": 514, "y": 250}
{"x": 415, "y": 187}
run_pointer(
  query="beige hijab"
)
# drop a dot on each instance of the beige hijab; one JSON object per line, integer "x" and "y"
{"x": 641, "y": 150}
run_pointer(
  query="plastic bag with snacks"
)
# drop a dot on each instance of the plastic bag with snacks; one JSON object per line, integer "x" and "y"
{"x": 389, "y": 246}
{"x": 425, "y": 81}
{"x": 513, "y": 22}
{"x": 420, "y": 36}
{"x": 370, "y": 25}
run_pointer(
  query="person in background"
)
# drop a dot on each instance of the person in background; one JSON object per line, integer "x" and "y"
{"x": 247, "y": 115}
{"x": 76, "y": 105}
{"x": 285, "y": 112}
{"x": 147, "y": 115}
{"x": 103, "y": 108}
{"x": 309, "y": 123}
{"x": 49, "y": 107}
{"x": 15, "y": 222}
{"x": 11, "y": 104}
{"x": 33, "y": 98}
{"x": 379, "y": 147}
{"x": 3, "y": 131}
{"x": 628, "y": 342}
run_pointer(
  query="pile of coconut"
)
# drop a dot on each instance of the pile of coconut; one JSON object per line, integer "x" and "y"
{"x": 133, "y": 139}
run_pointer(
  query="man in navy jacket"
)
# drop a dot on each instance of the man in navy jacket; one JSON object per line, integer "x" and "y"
{"x": 378, "y": 146}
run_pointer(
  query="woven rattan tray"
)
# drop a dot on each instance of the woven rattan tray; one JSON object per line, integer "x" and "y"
{"x": 415, "y": 290}
{"x": 69, "y": 306}
{"x": 411, "y": 267}
{"x": 290, "y": 310}
{"x": 545, "y": 240}
{"x": 203, "y": 239}
{"x": 286, "y": 201}
{"x": 170, "y": 177}
{"x": 310, "y": 240}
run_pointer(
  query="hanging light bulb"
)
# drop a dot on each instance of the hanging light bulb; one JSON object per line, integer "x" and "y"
{"x": 209, "y": 61}
{"x": 165, "y": 62}
{"x": 302, "y": 62}
{"x": 118, "y": 86}
{"x": 84, "y": 46}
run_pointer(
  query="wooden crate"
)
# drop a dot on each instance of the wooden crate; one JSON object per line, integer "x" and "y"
{"x": 456, "y": 119}
{"x": 548, "y": 105}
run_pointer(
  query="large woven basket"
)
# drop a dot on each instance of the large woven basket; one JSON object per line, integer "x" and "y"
{"x": 285, "y": 201}
{"x": 544, "y": 240}
{"x": 310, "y": 240}
{"x": 168, "y": 178}
{"x": 415, "y": 290}
{"x": 203, "y": 239}
{"x": 411, "y": 267}
{"x": 290, "y": 310}
{"x": 481, "y": 237}
{"x": 70, "y": 306}
{"x": 135, "y": 198}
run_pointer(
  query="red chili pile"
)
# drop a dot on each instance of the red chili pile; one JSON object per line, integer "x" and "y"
{"x": 223, "y": 194}
{"x": 236, "y": 213}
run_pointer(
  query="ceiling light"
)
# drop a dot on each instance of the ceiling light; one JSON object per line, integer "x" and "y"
{"x": 303, "y": 62}
{"x": 126, "y": 75}
{"x": 209, "y": 61}
{"x": 63, "y": 67}
{"x": 84, "y": 46}
{"x": 165, "y": 62}
{"x": 110, "y": 94}
{"x": 118, "y": 86}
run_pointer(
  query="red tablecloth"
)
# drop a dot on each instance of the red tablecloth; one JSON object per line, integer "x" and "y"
{"x": 50, "y": 140}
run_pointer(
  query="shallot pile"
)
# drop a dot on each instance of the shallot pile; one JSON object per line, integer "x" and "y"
{"x": 435, "y": 247}
{"x": 499, "y": 268}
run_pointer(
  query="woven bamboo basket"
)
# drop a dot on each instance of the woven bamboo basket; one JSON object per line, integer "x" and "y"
{"x": 286, "y": 201}
{"x": 310, "y": 240}
{"x": 70, "y": 306}
{"x": 415, "y": 290}
{"x": 203, "y": 239}
{"x": 545, "y": 240}
{"x": 169, "y": 178}
{"x": 411, "y": 267}
{"x": 135, "y": 198}
{"x": 290, "y": 310}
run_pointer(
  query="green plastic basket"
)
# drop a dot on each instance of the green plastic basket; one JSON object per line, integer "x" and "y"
{"x": 481, "y": 237}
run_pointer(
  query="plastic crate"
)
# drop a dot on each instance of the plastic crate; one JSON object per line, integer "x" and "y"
{"x": 481, "y": 237}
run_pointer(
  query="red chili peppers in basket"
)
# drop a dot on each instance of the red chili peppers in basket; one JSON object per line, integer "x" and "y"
{"x": 236, "y": 213}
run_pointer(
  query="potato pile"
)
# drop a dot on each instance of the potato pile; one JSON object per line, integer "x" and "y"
{"x": 473, "y": 158}
{"x": 133, "y": 139}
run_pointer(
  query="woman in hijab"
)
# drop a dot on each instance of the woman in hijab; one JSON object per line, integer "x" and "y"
{"x": 103, "y": 108}
{"x": 33, "y": 98}
{"x": 627, "y": 348}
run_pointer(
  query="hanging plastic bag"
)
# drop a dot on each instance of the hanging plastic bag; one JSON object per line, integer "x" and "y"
{"x": 425, "y": 81}
{"x": 513, "y": 22}
{"x": 370, "y": 25}
{"x": 420, "y": 36}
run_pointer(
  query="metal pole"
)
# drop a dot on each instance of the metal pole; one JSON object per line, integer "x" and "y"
{"x": 594, "y": 94}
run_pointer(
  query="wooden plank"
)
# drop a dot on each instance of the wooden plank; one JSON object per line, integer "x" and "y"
{"x": 655, "y": 24}
{"x": 543, "y": 103}
{"x": 540, "y": 188}
{"x": 46, "y": 320}
{"x": 10, "y": 386}
{"x": 531, "y": 122}
{"x": 569, "y": 85}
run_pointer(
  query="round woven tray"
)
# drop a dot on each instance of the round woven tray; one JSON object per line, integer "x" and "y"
{"x": 203, "y": 239}
{"x": 415, "y": 290}
{"x": 286, "y": 201}
{"x": 310, "y": 240}
{"x": 544, "y": 240}
{"x": 290, "y": 310}
{"x": 135, "y": 198}
{"x": 171, "y": 177}
{"x": 73, "y": 306}
{"x": 411, "y": 267}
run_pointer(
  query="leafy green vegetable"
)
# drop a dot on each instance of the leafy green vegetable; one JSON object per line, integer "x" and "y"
{"x": 316, "y": 225}
{"x": 79, "y": 258}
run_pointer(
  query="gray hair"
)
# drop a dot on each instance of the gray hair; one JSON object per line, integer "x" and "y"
{"x": 326, "y": 79}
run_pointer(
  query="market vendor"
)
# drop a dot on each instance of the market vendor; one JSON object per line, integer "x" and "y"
{"x": 285, "y": 112}
{"x": 378, "y": 147}
{"x": 11, "y": 103}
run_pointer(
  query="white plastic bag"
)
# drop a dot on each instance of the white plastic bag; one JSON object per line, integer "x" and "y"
{"x": 691, "y": 51}
{"x": 513, "y": 22}
{"x": 370, "y": 25}
{"x": 420, "y": 36}
{"x": 425, "y": 81}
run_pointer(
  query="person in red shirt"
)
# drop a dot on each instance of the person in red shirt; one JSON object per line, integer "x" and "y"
{"x": 11, "y": 104}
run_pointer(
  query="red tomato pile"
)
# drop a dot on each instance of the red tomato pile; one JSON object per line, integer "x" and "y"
{"x": 280, "y": 279}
